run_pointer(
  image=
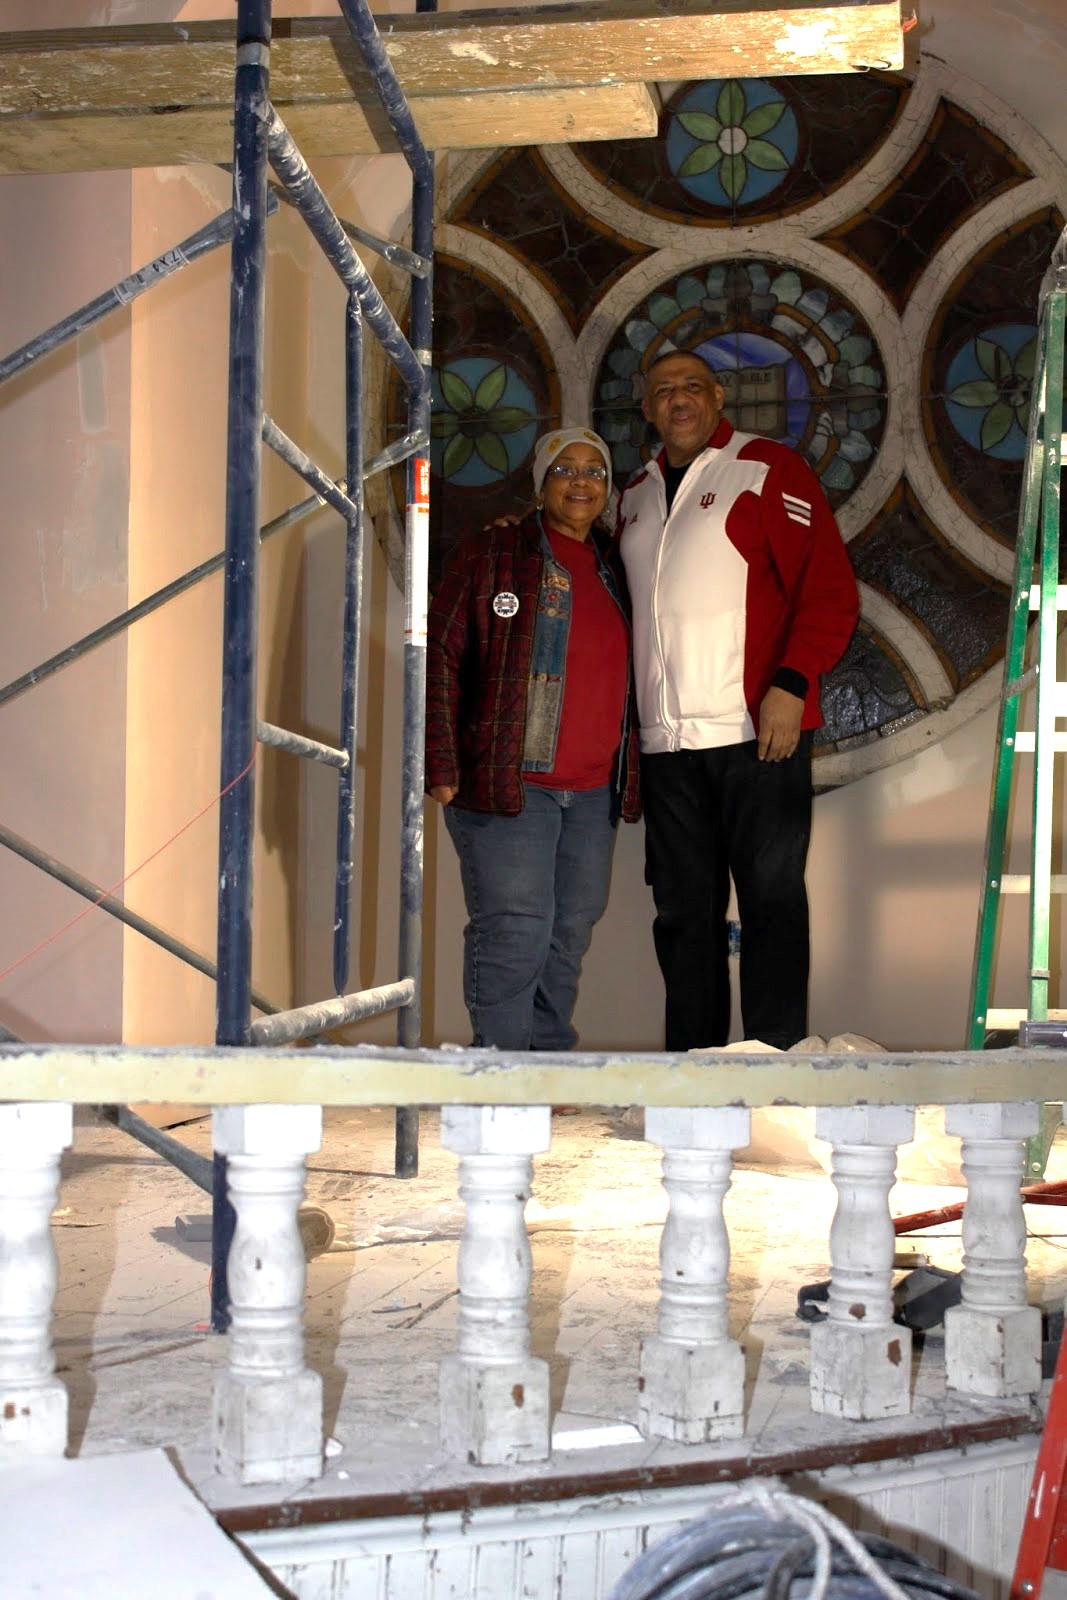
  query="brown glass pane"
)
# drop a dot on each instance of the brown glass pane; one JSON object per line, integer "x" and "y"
{"x": 869, "y": 692}
{"x": 518, "y": 203}
{"x": 958, "y": 167}
{"x": 962, "y": 612}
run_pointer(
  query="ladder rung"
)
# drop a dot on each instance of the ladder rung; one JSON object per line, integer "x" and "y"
{"x": 1061, "y": 597}
{"x": 1011, "y": 1016}
{"x": 1024, "y": 742}
{"x": 1019, "y": 883}
{"x": 295, "y": 744}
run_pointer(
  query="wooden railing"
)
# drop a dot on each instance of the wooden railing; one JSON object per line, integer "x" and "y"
{"x": 494, "y": 1394}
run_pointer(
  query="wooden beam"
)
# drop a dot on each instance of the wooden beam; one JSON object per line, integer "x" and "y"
{"x": 98, "y": 141}
{"x": 163, "y": 72}
{"x": 368, "y": 1075}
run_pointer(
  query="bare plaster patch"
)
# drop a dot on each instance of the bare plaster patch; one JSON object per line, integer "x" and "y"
{"x": 465, "y": 51}
{"x": 803, "y": 39}
{"x": 92, "y": 383}
{"x": 93, "y": 543}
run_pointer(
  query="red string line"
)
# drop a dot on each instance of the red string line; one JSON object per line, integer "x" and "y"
{"x": 107, "y": 894}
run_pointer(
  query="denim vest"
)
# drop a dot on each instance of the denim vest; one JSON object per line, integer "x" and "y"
{"x": 548, "y": 662}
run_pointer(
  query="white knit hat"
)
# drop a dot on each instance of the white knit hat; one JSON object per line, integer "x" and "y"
{"x": 549, "y": 446}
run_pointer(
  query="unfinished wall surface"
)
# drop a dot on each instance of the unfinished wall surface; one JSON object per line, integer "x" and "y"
{"x": 177, "y": 485}
{"x": 124, "y": 433}
{"x": 180, "y": 363}
{"x": 64, "y": 469}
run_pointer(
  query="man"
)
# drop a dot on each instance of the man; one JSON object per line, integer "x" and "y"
{"x": 742, "y": 596}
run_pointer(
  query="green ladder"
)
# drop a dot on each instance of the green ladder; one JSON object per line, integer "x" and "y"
{"x": 1035, "y": 588}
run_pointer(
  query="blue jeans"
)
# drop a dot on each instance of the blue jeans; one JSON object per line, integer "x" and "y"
{"x": 534, "y": 886}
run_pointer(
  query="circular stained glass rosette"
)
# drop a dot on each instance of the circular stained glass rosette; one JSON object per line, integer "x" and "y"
{"x": 732, "y": 142}
{"x": 796, "y": 361}
{"x": 484, "y": 422}
{"x": 987, "y": 389}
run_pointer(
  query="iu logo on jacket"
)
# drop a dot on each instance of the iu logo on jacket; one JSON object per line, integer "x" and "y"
{"x": 706, "y": 500}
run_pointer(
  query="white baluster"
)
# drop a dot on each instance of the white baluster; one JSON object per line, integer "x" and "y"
{"x": 860, "y": 1359}
{"x": 494, "y": 1394}
{"x": 692, "y": 1383}
{"x": 993, "y": 1339}
{"x": 268, "y": 1404}
{"x": 33, "y": 1401}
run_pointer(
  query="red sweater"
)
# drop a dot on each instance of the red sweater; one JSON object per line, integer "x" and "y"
{"x": 598, "y": 672}
{"x": 478, "y": 670}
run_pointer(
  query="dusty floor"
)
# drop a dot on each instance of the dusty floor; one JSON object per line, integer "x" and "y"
{"x": 133, "y": 1346}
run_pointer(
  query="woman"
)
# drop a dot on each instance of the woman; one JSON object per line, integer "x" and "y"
{"x": 530, "y": 742}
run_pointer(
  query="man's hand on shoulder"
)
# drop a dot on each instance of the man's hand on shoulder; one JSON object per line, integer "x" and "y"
{"x": 510, "y": 521}
{"x": 779, "y": 724}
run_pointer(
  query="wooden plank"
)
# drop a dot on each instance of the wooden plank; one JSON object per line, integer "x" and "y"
{"x": 97, "y": 141}
{"x": 753, "y": 1457}
{"x": 169, "y": 66}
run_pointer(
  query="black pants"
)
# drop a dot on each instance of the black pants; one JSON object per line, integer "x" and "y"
{"x": 710, "y": 815}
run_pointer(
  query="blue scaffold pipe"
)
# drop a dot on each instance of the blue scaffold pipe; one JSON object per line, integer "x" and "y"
{"x": 349, "y": 734}
{"x": 248, "y": 260}
{"x": 210, "y": 237}
{"x": 293, "y": 171}
{"x": 409, "y": 1021}
{"x": 364, "y": 30}
{"x": 196, "y": 1167}
{"x": 312, "y": 475}
{"x": 409, "y": 1033}
{"x": 297, "y": 744}
{"x": 410, "y": 444}
{"x": 307, "y": 1022}
{"x": 396, "y": 254}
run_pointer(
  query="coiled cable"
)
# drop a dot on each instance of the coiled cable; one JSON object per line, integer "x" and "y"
{"x": 763, "y": 1543}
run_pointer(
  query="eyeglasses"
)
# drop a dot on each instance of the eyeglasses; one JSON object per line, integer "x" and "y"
{"x": 563, "y": 469}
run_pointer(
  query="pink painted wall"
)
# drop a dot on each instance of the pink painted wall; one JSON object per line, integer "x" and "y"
{"x": 64, "y": 471}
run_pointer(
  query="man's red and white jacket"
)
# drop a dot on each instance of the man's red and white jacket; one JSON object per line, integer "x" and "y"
{"x": 745, "y": 584}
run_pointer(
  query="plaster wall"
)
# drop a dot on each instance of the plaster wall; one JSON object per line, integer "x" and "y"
{"x": 112, "y": 458}
{"x": 64, "y": 468}
{"x": 178, "y": 447}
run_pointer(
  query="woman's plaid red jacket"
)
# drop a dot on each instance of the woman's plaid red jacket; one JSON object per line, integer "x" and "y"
{"x": 478, "y": 668}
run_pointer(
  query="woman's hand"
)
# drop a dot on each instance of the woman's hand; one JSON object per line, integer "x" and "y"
{"x": 443, "y": 793}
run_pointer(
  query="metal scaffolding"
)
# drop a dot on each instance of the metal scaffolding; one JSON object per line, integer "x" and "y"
{"x": 261, "y": 142}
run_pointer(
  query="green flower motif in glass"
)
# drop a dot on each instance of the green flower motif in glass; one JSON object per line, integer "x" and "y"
{"x": 483, "y": 423}
{"x": 988, "y": 387}
{"x": 732, "y": 142}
